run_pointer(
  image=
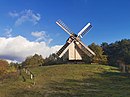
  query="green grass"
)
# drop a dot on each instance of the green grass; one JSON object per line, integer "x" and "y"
{"x": 69, "y": 81}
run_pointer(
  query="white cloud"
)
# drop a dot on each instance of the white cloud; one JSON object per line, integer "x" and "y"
{"x": 18, "y": 48}
{"x": 25, "y": 16}
{"x": 14, "y": 61}
{"x": 41, "y": 36}
{"x": 8, "y": 32}
{"x": 13, "y": 14}
{"x": 38, "y": 34}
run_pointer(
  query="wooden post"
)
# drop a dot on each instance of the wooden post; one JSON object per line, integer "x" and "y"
{"x": 26, "y": 71}
{"x": 31, "y": 76}
{"x": 123, "y": 68}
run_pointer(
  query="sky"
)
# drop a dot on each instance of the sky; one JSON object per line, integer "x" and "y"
{"x": 28, "y": 26}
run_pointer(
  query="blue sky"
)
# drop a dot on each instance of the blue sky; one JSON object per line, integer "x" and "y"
{"x": 32, "y": 18}
{"x": 110, "y": 18}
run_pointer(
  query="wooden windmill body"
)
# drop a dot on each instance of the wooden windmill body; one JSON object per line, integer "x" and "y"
{"x": 74, "y": 49}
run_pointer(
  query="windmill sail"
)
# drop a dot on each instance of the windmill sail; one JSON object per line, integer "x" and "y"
{"x": 64, "y": 49}
{"x": 64, "y": 27}
{"x": 85, "y": 49}
{"x": 84, "y": 30}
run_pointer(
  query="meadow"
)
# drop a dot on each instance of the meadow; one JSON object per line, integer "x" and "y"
{"x": 68, "y": 80}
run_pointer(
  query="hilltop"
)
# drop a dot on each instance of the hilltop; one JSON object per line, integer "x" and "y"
{"x": 69, "y": 80}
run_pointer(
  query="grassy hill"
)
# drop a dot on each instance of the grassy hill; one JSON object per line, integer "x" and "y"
{"x": 79, "y": 80}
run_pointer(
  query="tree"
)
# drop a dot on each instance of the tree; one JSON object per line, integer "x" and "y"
{"x": 16, "y": 65}
{"x": 35, "y": 60}
{"x": 120, "y": 50}
{"x": 53, "y": 59}
{"x": 100, "y": 57}
{"x": 118, "y": 53}
{"x": 3, "y": 66}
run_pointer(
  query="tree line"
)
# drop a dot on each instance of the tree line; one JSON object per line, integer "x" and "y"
{"x": 113, "y": 54}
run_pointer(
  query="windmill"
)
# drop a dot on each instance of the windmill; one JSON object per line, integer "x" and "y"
{"x": 74, "y": 49}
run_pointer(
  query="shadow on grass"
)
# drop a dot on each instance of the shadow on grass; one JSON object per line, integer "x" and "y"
{"x": 25, "y": 93}
{"x": 107, "y": 84}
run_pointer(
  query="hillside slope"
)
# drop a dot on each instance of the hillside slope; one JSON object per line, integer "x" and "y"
{"x": 70, "y": 81}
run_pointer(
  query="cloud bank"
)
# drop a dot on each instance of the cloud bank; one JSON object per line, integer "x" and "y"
{"x": 18, "y": 48}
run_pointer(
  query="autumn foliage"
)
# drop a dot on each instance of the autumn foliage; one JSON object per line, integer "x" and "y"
{"x": 3, "y": 66}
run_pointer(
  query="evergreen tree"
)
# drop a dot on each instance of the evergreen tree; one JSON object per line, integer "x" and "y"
{"x": 53, "y": 59}
{"x": 118, "y": 51}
